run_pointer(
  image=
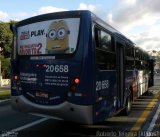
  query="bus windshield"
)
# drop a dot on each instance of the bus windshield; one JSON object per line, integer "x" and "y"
{"x": 58, "y": 36}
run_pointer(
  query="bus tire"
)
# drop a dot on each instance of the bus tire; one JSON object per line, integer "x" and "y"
{"x": 127, "y": 108}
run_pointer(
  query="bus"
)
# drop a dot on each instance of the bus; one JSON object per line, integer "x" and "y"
{"x": 74, "y": 66}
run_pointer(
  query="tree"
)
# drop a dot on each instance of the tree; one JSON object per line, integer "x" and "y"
{"x": 5, "y": 47}
{"x": 5, "y": 67}
{"x": 5, "y": 39}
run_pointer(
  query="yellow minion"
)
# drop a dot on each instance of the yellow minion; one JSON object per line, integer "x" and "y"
{"x": 57, "y": 37}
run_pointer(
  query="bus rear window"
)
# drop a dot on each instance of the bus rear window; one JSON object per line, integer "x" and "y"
{"x": 57, "y": 36}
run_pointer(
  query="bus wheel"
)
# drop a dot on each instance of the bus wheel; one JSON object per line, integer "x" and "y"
{"x": 127, "y": 108}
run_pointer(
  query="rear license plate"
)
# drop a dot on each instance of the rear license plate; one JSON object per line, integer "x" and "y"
{"x": 42, "y": 94}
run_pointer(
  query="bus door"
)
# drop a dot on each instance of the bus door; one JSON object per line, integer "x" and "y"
{"x": 105, "y": 75}
{"x": 120, "y": 73}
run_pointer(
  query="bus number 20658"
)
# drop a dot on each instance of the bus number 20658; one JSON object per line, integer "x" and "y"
{"x": 104, "y": 84}
{"x": 57, "y": 68}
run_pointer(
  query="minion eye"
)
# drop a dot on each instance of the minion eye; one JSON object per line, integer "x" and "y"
{"x": 61, "y": 33}
{"x": 52, "y": 34}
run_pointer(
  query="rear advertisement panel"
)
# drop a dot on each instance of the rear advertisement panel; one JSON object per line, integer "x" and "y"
{"x": 58, "y": 36}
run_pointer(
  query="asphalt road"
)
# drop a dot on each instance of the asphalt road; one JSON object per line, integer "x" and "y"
{"x": 136, "y": 124}
{"x": 10, "y": 119}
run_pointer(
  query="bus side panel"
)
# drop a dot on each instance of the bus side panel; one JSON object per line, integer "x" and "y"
{"x": 106, "y": 90}
{"x": 130, "y": 82}
{"x": 142, "y": 82}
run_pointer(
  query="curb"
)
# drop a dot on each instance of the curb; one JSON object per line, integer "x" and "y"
{"x": 146, "y": 125}
{"x": 4, "y": 102}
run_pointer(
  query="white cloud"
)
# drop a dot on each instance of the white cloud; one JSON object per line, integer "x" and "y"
{"x": 3, "y": 16}
{"x": 130, "y": 15}
{"x": 83, "y": 6}
{"x": 49, "y": 9}
{"x": 6, "y": 17}
{"x": 149, "y": 39}
{"x": 21, "y": 14}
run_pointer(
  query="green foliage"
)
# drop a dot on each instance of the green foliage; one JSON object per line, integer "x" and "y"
{"x": 5, "y": 47}
{"x": 5, "y": 63}
{"x": 5, "y": 95}
{"x": 5, "y": 39}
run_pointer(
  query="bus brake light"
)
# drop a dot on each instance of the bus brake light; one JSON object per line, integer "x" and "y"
{"x": 16, "y": 77}
{"x": 37, "y": 65}
{"x": 73, "y": 88}
{"x": 76, "y": 80}
{"x": 44, "y": 65}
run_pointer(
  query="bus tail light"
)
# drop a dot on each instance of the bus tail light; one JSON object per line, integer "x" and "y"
{"x": 16, "y": 77}
{"x": 37, "y": 65}
{"x": 44, "y": 65}
{"x": 73, "y": 88}
{"x": 76, "y": 80}
{"x": 97, "y": 113}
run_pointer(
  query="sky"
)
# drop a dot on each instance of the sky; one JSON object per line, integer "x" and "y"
{"x": 138, "y": 20}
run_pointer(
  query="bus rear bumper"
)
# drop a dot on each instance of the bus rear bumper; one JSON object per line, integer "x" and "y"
{"x": 66, "y": 110}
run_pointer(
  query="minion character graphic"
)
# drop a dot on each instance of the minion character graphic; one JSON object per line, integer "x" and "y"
{"x": 57, "y": 40}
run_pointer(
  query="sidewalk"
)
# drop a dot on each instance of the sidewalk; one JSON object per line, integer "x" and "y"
{"x": 5, "y": 88}
{"x": 155, "y": 123}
